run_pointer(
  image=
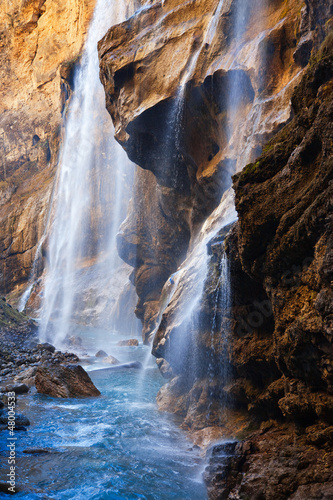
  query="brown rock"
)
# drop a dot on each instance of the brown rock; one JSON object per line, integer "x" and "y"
{"x": 64, "y": 381}
{"x": 130, "y": 342}
{"x": 275, "y": 466}
{"x": 101, "y": 354}
{"x": 186, "y": 145}
{"x": 36, "y": 38}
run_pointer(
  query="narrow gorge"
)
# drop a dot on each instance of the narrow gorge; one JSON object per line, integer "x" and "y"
{"x": 166, "y": 224}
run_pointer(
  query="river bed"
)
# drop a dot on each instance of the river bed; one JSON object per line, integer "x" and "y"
{"x": 116, "y": 446}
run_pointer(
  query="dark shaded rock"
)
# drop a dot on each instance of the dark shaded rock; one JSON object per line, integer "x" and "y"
{"x": 130, "y": 342}
{"x": 20, "y": 420}
{"x": 64, "y": 381}
{"x": 46, "y": 347}
{"x": 284, "y": 235}
{"x": 101, "y": 354}
{"x": 17, "y": 388}
{"x": 303, "y": 51}
{"x": 36, "y": 451}
{"x": 277, "y": 465}
{"x": 4, "y": 489}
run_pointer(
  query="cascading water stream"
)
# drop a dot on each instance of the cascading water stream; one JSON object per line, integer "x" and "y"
{"x": 175, "y": 120}
{"x": 93, "y": 189}
{"x": 187, "y": 300}
{"x": 220, "y": 323}
{"x": 112, "y": 445}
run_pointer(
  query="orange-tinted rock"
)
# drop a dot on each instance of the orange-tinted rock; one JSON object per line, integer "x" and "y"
{"x": 39, "y": 42}
{"x": 64, "y": 381}
{"x": 187, "y": 145}
{"x": 277, "y": 463}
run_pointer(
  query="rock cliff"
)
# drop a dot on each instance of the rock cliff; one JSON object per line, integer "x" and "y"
{"x": 40, "y": 40}
{"x": 281, "y": 342}
{"x": 177, "y": 119}
{"x": 260, "y": 367}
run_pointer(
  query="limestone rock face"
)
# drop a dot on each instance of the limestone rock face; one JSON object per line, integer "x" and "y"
{"x": 275, "y": 464}
{"x": 287, "y": 196}
{"x": 279, "y": 349}
{"x": 168, "y": 73}
{"x": 39, "y": 43}
{"x": 272, "y": 344}
{"x": 64, "y": 381}
{"x": 265, "y": 357}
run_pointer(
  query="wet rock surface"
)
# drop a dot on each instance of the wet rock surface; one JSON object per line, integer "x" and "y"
{"x": 129, "y": 342}
{"x": 64, "y": 381}
{"x": 279, "y": 463}
{"x": 39, "y": 41}
{"x": 277, "y": 354}
{"x": 184, "y": 148}
{"x": 281, "y": 249}
{"x": 22, "y": 355}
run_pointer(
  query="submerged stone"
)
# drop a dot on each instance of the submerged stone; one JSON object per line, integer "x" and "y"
{"x": 101, "y": 354}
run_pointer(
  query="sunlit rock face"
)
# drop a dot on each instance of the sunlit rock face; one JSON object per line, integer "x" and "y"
{"x": 39, "y": 44}
{"x": 276, "y": 326}
{"x": 168, "y": 74}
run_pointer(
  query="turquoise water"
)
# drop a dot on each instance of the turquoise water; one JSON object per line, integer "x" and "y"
{"x": 116, "y": 446}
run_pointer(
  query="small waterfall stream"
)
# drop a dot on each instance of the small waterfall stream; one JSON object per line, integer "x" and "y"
{"x": 185, "y": 304}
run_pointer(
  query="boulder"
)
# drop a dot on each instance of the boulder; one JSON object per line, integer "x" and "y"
{"x": 110, "y": 360}
{"x": 45, "y": 346}
{"x": 64, "y": 381}
{"x": 20, "y": 420}
{"x": 17, "y": 388}
{"x": 130, "y": 342}
{"x": 74, "y": 341}
{"x": 101, "y": 354}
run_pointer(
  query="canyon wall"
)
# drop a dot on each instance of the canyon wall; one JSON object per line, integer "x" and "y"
{"x": 40, "y": 41}
{"x": 263, "y": 364}
{"x": 183, "y": 52}
{"x": 280, "y": 346}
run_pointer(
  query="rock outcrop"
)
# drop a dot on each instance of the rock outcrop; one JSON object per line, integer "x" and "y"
{"x": 276, "y": 353}
{"x": 40, "y": 42}
{"x": 277, "y": 463}
{"x": 256, "y": 365}
{"x": 179, "y": 123}
{"x": 64, "y": 381}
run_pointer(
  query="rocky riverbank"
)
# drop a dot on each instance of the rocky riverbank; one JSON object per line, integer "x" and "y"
{"x": 21, "y": 353}
{"x": 27, "y": 365}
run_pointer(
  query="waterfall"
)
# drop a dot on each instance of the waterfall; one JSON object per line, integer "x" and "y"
{"x": 93, "y": 188}
{"x": 176, "y": 114}
{"x": 221, "y": 327}
{"x": 188, "y": 331}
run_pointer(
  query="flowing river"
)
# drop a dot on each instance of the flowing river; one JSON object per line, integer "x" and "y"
{"x": 116, "y": 446}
